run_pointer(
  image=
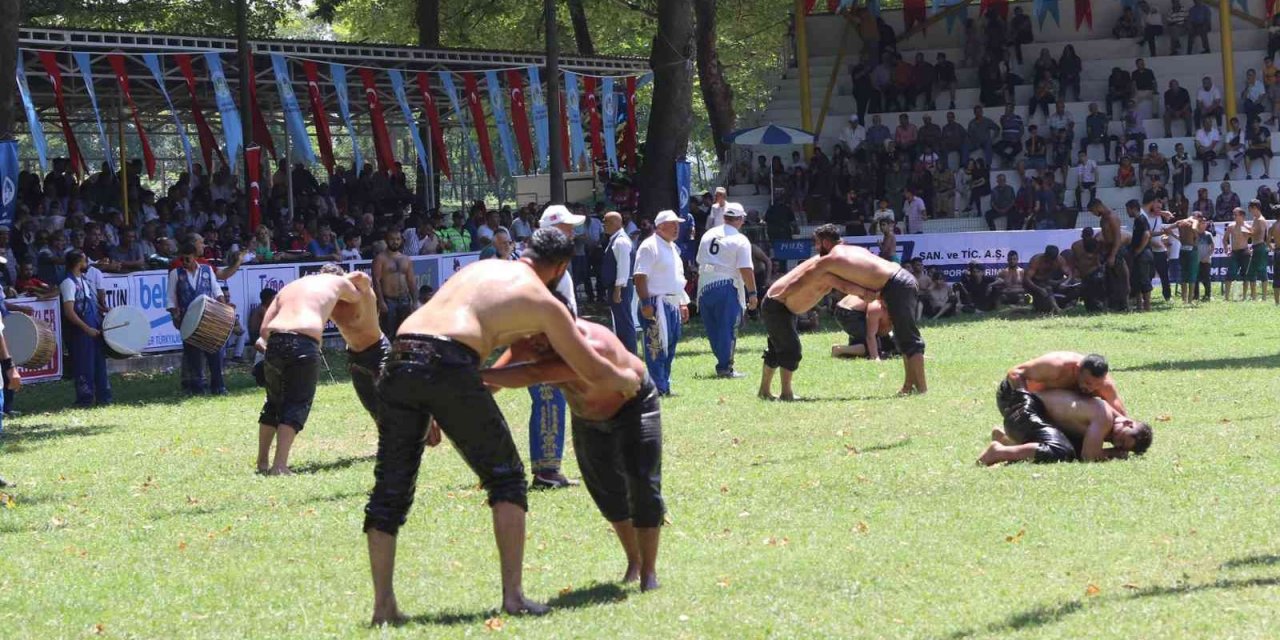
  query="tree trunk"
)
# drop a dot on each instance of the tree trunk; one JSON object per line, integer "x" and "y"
{"x": 581, "y": 34}
{"x": 671, "y": 109}
{"x": 716, "y": 92}
{"x": 427, "y": 17}
{"x": 9, "y": 10}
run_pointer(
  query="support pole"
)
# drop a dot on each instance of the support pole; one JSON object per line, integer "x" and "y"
{"x": 557, "y": 150}
{"x": 802, "y": 63}
{"x": 1228, "y": 58}
{"x": 246, "y": 117}
{"x": 124, "y": 162}
{"x": 288, "y": 168}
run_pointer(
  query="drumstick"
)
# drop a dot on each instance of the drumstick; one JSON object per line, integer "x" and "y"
{"x": 115, "y": 326}
{"x": 326, "y": 367}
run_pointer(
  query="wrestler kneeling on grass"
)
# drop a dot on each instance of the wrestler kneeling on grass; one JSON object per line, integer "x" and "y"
{"x": 1059, "y": 425}
{"x": 868, "y": 326}
{"x": 618, "y": 441}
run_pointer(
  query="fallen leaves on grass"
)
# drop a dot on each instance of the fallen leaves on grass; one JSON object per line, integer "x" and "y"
{"x": 566, "y": 591}
{"x": 1130, "y": 585}
{"x": 1092, "y": 590}
{"x": 723, "y": 583}
{"x": 98, "y": 629}
{"x": 1225, "y": 421}
{"x": 1164, "y": 417}
{"x": 724, "y": 488}
{"x": 1017, "y": 537}
{"x": 192, "y": 501}
{"x": 777, "y": 542}
{"x": 494, "y": 624}
{"x": 57, "y": 523}
{"x": 851, "y": 450}
{"x": 861, "y": 527}
{"x": 182, "y": 545}
{"x": 7, "y": 501}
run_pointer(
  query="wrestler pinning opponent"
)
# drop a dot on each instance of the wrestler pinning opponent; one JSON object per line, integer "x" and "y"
{"x": 1060, "y": 425}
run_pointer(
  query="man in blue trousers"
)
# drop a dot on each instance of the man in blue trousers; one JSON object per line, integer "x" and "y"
{"x": 194, "y": 277}
{"x": 664, "y": 304}
{"x": 724, "y": 268}
{"x": 82, "y": 322}
{"x": 616, "y": 266}
{"x": 546, "y": 417}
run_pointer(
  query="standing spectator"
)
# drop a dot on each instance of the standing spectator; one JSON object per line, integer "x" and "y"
{"x": 1144, "y": 85}
{"x": 914, "y": 209}
{"x": 1086, "y": 179}
{"x": 1273, "y": 36}
{"x": 1259, "y": 140}
{"x": 882, "y": 82}
{"x": 1176, "y": 26}
{"x": 1126, "y": 26}
{"x": 960, "y": 190}
{"x": 904, "y": 83}
{"x": 1177, "y": 106}
{"x": 925, "y": 75}
{"x": 1208, "y": 102}
{"x": 1199, "y": 23}
{"x": 929, "y": 136}
{"x": 972, "y": 51}
{"x": 1181, "y": 175}
{"x": 1271, "y": 80}
{"x": 1253, "y": 98}
{"x": 954, "y": 140}
{"x": 1069, "y": 69}
{"x": 1152, "y": 27}
{"x": 979, "y": 184}
{"x": 1020, "y": 31}
{"x": 1002, "y": 199}
{"x": 945, "y": 73}
{"x": 1095, "y": 132}
{"x": 982, "y": 132}
{"x": 1134, "y": 130}
{"x": 1119, "y": 88}
{"x": 905, "y": 136}
{"x": 523, "y": 225}
{"x": 864, "y": 91}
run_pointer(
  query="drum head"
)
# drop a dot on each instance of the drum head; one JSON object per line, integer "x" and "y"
{"x": 195, "y": 311}
{"x": 126, "y": 331}
{"x": 21, "y": 334}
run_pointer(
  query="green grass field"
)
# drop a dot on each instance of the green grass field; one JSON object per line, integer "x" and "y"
{"x": 854, "y": 514}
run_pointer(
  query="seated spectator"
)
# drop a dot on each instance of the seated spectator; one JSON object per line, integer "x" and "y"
{"x": 1152, "y": 26}
{"x": 1126, "y": 26}
{"x": 325, "y": 246}
{"x": 1204, "y": 203}
{"x": 954, "y": 140}
{"x": 1208, "y": 146}
{"x": 1228, "y": 201}
{"x": 903, "y": 95}
{"x": 945, "y": 74}
{"x": 1086, "y": 179}
{"x": 1037, "y": 149}
{"x": 1233, "y": 146}
{"x": 1180, "y": 177}
{"x": 937, "y": 298}
{"x": 1011, "y": 130}
{"x": 981, "y": 134}
{"x": 924, "y": 75}
{"x": 1154, "y": 166}
{"x": 854, "y": 134}
{"x": 1134, "y": 130}
{"x": 128, "y": 255}
{"x": 1259, "y": 139}
{"x": 1002, "y": 200}
{"x": 877, "y": 135}
{"x": 1126, "y": 175}
{"x": 1208, "y": 102}
{"x": 1253, "y": 99}
{"x": 884, "y": 214}
{"x": 1156, "y": 192}
{"x": 1144, "y": 85}
{"x": 1177, "y": 106}
{"x": 1119, "y": 88}
{"x": 978, "y": 292}
{"x": 761, "y": 177}
{"x": 1044, "y": 64}
{"x": 28, "y": 284}
{"x": 1044, "y": 94}
{"x": 1095, "y": 132}
{"x": 1070, "y": 66}
{"x": 351, "y": 246}
{"x": 905, "y": 135}
{"x": 1199, "y": 24}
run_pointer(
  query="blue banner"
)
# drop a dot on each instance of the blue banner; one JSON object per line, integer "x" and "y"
{"x": 299, "y": 139}
{"x": 540, "y": 123}
{"x": 609, "y": 113}
{"x": 1044, "y": 8}
{"x": 502, "y": 121}
{"x": 86, "y": 71}
{"x": 684, "y": 187}
{"x": 339, "y": 74}
{"x": 231, "y": 128}
{"x": 473, "y": 151}
{"x": 577, "y": 146}
{"x": 644, "y": 79}
{"x": 8, "y": 182}
{"x": 960, "y": 15}
{"x": 153, "y": 63}
{"x": 33, "y": 120}
{"x": 397, "y": 86}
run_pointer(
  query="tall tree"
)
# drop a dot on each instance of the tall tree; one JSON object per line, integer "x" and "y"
{"x": 671, "y": 108}
{"x": 427, "y": 17}
{"x": 717, "y": 95}
{"x": 8, "y": 65}
{"x": 581, "y": 30}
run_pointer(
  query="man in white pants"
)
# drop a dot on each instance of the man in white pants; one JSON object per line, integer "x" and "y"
{"x": 716, "y": 218}
{"x": 724, "y": 268}
{"x": 664, "y": 305}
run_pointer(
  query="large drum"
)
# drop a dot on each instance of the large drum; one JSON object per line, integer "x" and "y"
{"x": 208, "y": 324}
{"x": 126, "y": 331}
{"x": 31, "y": 342}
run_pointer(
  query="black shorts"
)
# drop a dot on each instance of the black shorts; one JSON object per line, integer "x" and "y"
{"x": 1025, "y": 422}
{"x": 364, "y": 367}
{"x": 854, "y": 323}
{"x": 291, "y": 369}
{"x": 900, "y": 297}
{"x": 429, "y": 377}
{"x": 783, "y": 346}
{"x": 621, "y": 460}
{"x": 1140, "y": 272}
{"x": 1275, "y": 269}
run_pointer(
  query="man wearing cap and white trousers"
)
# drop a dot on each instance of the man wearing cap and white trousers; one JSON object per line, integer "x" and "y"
{"x": 853, "y": 135}
{"x": 664, "y": 305}
{"x": 716, "y": 218}
{"x": 724, "y": 268}
{"x": 546, "y": 417}
{"x": 615, "y": 272}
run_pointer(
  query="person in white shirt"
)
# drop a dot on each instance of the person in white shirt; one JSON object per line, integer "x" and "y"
{"x": 1086, "y": 179}
{"x": 724, "y": 268}
{"x": 616, "y": 266}
{"x": 1208, "y": 102}
{"x": 520, "y": 227}
{"x": 1208, "y": 146}
{"x": 82, "y": 324}
{"x": 853, "y": 135}
{"x": 716, "y": 217}
{"x": 914, "y": 209}
{"x": 884, "y": 214}
{"x": 664, "y": 305}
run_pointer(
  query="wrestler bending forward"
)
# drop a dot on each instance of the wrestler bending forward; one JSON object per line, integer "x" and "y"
{"x": 618, "y": 441}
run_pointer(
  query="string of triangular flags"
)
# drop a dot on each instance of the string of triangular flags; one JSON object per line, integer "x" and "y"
{"x": 598, "y": 114}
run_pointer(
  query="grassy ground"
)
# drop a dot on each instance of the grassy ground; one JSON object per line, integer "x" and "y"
{"x": 856, "y": 514}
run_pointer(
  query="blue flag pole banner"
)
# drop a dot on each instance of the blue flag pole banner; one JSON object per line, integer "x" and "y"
{"x": 227, "y": 107}
{"x": 644, "y": 79}
{"x": 33, "y": 119}
{"x": 1044, "y": 8}
{"x": 609, "y": 113}
{"x": 540, "y": 123}
{"x": 86, "y": 71}
{"x": 339, "y": 74}
{"x": 8, "y": 182}
{"x": 473, "y": 151}
{"x": 577, "y": 145}
{"x": 952, "y": 18}
{"x": 153, "y": 63}
{"x": 397, "y": 87}
{"x": 684, "y": 187}
{"x": 299, "y": 139}
{"x": 501, "y": 120}
{"x": 874, "y": 7}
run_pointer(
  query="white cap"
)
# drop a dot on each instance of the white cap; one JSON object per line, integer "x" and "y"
{"x": 853, "y": 118}
{"x": 722, "y": 190}
{"x": 734, "y": 210}
{"x": 559, "y": 214}
{"x": 667, "y": 216}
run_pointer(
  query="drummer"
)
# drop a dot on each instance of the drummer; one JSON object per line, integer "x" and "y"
{"x": 11, "y": 381}
{"x": 82, "y": 321}
{"x": 292, "y": 329}
{"x": 191, "y": 278}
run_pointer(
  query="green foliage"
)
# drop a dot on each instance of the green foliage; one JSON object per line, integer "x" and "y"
{"x": 193, "y": 17}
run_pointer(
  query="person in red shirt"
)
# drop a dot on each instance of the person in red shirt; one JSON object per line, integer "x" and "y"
{"x": 28, "y": 284}
{"x": 904, "y": 84}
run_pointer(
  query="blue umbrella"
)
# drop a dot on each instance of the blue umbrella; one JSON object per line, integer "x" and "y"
{"x": 770, "y": 134}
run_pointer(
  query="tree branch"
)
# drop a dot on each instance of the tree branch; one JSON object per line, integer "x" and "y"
{"x": 638, "y": 7}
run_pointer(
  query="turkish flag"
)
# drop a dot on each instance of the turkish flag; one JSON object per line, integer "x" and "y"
{"x": 381, "y": 139}
{"x": 519, "y": 119}
{"x": 630, "y": 132}
{"x": 319, "y": 115}
{"x": 253, "y": 165}
{"x": 122, "y": 77}
{"x": 913, "y": 11}
{"x": 208, "y": 143}
{"x": 261, "y": 134}
{"x": 1084, "y": 13}
{"x": 593, "y": 119}
{"x": 472, "y": 94}
{"x": 49, "y": 60}
{"x": 1000, "y": 7}
{"x": 439, "y": 154}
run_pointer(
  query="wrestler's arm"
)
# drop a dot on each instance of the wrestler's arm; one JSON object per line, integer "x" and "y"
{"x": 1109, "y": 394}
{"x": 1096, "y": 434}
{"x": 1020, "y": 375}
{"x": 567, "y": 341}
{"x": 848, "y": 288}
{"x": 267, "y": 317}
{"x": 527, "y": 374}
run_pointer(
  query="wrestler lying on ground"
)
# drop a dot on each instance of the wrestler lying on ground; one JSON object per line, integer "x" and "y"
{"x": 867, "y": 324}
{"x": 290, "y": 337}
{"x": 1087, "y": 374}
{"x": 1062, "y": 426}
{"x": 618, "y": 442}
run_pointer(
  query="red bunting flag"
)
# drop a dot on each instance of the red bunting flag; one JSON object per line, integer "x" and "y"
{"x": 1084, "y": 13}
{"x": 1271, "y": 9}
{"x": 208, "y": 143}
{"x": 472, "y": 93}
{"x": 253, "y": 165}
{"x": 261, "y": 134}
{"x": 519, "y": 119}
{"x": 50, "y": 62}
{"x": 122, "y": 78}
{"x": 913, "y": 11}
{"x": 381, "y": 139}
{"x": 319, "y": 115}
{"x": 592, "y": 105}
{"x": 439, "y": 154}
{"x": 564, "y": 135}
{"x": 1000, "y": 7}
{"x": 630, "y": 132}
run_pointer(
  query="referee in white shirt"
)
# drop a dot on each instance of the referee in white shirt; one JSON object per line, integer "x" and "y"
{"x": 724, "y": 268}
{"x": 664, "y": 305}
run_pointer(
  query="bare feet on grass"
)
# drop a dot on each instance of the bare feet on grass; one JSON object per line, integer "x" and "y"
{"x": 991, "y": 455}
{"x": 522, "y": 606}
{"x": 998, "y": 435}
{"x": 649, "y": 583}
{"x": 388, "y": 615}
{"x": 632, "y": 574}
{"x": 280, "y": 471}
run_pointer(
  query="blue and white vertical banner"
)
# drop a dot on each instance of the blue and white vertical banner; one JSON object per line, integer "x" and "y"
{"x": 502, "y": 121}
{"x": 339, "y": 75}
{"x": 157, "y": 72}
{"x": 609, "y": 113}
{"x": 577, "y": 146}
{"x": 540, "y": 124}
{"x": 227, "y": 107}
{"x": 960, "y": 15}
{"x": 33, "y": 119}
{"x": 86, "y": 71}
{"x": 299, "y": 139}
{"x": 8, "y": 182}
{"x": 644, "y": 79}
{"x": 684, "y": 187}
{"x": 473, "y": 151}
{"x": 1044, "y": 8}
{"x": 397, "y": 87}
